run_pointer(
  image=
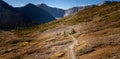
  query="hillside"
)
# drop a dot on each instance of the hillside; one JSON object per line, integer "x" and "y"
{"x": 93, "y": 33}
{"x": 60, "y": 13}
{"x": 10, "y": 18}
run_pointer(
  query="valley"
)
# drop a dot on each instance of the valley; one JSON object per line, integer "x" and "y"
{"x": 91, "y": 33}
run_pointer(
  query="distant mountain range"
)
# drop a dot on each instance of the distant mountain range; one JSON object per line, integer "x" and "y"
{"x": 56, "y": 12}
{"x": 36, "y": 13}
{"x": 60, "y": 13}
{"x": 76, "y": 9}
{"x": 31, "y": 14}
{"x": 28, "y": 15}
{"x": 10, "y": 18}
{"x": 96, "y": 30}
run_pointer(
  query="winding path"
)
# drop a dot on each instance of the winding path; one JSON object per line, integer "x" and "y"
{"x": 71, "y": 47}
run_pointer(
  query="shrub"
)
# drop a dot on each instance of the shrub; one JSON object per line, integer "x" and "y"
{"x": 72, "y": 31}
{"x": 64, "y": 33}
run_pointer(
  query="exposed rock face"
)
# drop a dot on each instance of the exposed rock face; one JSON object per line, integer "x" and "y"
{"x": 72, "y": 10}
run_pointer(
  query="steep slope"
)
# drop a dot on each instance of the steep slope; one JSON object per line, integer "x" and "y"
{"x": 36, "y": 13}
{"x": 76, "y": 9}
{"x": 72, "y": 10}
{"x": 56, "y": 12}
{"x": 107, "y": 2}
{"x": 60, "y": 13}
{"x": 9, "y": 18}
{"x": 97, "y": 31}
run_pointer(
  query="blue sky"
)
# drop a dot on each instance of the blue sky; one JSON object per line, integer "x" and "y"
{"x": 64, "y": 4}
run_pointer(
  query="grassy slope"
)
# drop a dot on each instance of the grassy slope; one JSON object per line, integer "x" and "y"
{"x": 23, "y": 39}
{"x": 84, "y": 16}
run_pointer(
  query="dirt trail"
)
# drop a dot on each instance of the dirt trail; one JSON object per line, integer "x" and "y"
{"x": 71, "y": 47}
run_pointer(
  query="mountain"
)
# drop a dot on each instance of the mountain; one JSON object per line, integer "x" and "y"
{"x": 36, "y": 13}
{"x": 72, "y": 10}
{"x": 10, "y": 18}
{"x": 31, "y": 14}
{"x": 55, "y": 12}
{"x": 76, "y": 9}
{"x": 60, "y": 13}
{"x": 92, "y": 33}
{"x": 97, "y": 31}
{"x": 107, "y": 2}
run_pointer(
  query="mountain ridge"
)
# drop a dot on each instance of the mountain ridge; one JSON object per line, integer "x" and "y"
{"x": 65, "y": 12}
{"x": 10, "y": 18}
{"x": 32, "y": 11}
{"x": 24, "y": 13}
{"x": 107, "y": 2}
{"x": 92, "y": 33}
{"x": 56, "y": 12}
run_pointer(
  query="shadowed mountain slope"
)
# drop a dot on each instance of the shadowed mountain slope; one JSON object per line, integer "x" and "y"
{"x": 56, "y": 12}
{"x": 10, "y": 18}
{"x": 36, "y": 13}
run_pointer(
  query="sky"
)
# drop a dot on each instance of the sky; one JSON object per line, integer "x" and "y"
{"x": 64, "y": 4}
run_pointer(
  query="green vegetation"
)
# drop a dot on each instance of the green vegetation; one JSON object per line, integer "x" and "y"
{"x": 64, "y": 34}
{"x": 86, "y": 15}
{"x": 81, "y": 50}
{"x": 72, "y": 31}
{"x": 21, "y": 38}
